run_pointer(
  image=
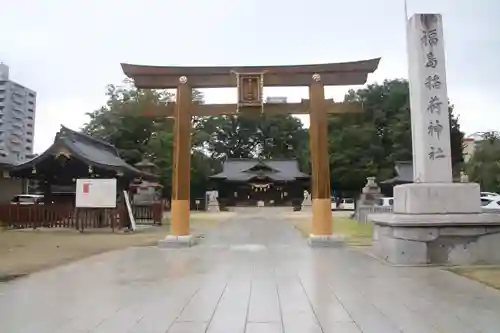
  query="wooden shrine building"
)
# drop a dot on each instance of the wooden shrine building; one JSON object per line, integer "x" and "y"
{"x": 75, "y": 155}
{"x": 252, "y": 182}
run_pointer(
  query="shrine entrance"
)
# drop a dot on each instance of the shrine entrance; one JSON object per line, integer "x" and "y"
{"x": 250, "y": 82}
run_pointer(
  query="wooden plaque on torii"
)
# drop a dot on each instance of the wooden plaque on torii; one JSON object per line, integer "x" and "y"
{"x": 250, "y": 81}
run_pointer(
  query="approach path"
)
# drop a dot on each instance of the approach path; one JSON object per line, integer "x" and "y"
{"x": 252, "y": 273}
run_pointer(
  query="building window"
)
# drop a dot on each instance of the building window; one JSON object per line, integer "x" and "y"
{"x": 29, "y": 133}
{"x": 30, "y": 117}
{"x": 29, "y": 140}
{"x": 30, "y": 125}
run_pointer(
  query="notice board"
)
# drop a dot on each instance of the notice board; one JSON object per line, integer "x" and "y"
{"x": 95, "y": 193}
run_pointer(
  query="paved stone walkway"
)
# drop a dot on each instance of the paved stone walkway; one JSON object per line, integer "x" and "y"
{"x": 254, "y": 273}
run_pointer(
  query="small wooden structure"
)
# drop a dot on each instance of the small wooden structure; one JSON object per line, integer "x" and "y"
{"x": 73, "y": 155}
{"x": 250, "y": 82}
{"x": 250, "y": 182}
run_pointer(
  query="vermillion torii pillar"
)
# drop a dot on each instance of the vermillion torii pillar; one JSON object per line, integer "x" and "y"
{"x": 321, "y": 229}
{"x": 181, "y": 163}
{"x": 250, "y": 81}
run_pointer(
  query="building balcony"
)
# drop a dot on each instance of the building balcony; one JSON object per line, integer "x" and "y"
{"x": 15, "y": 140}
{"x": 18, "y": 117}
{"x": 17, "y": 133}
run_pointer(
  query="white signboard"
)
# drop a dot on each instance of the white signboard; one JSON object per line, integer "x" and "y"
{"x": 95, "y": 193}
{"x": 430, "y": 125}
{"x": 133, "y": 226}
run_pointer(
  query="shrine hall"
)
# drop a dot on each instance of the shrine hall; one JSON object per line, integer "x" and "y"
{"x": 260, "y": 182}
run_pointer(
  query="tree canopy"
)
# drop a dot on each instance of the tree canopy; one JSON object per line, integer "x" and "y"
{"x": 484, "y": 165}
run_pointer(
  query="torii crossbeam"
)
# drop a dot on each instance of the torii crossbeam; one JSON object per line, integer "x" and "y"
{"x": 250, "y": 82}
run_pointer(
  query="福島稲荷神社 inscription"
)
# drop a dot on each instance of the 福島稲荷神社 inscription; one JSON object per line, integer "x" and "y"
{"x": 429, "y": 100}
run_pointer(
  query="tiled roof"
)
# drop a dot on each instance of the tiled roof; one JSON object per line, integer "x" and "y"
{"x": 92, "y": 151}
{"x": 246, "y": 169}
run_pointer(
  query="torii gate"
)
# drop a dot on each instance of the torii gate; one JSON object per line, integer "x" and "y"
{"x": 250, "y": 82}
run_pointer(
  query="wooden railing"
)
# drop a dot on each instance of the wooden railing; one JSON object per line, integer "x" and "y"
{"x": 67, "y": 216}
{"x": 146, "y": 214}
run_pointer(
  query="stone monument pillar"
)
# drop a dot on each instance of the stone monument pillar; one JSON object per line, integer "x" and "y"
{"x": 434, "y": 220}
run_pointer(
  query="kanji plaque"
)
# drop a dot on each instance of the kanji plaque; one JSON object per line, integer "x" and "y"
{"x": 250, "y": 89}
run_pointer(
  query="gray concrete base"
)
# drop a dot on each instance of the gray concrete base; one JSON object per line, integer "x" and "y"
{"x": 177, "y": 241}
{"x": 457, "y": 239}
{"x": 326, "y": 240}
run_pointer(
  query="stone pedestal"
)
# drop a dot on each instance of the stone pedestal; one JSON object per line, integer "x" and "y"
{"x": 370, "y": 193}
{"x": 213, "y": 206}
{"x": 172, "y": 241}
{"x": 437, "y": 223}
{"x": 332, "y": 240}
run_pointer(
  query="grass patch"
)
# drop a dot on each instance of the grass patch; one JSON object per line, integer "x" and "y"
{"x": 356, "y": 234}
{"x": 489, "y": 275}
{"x": 26, "y": 251}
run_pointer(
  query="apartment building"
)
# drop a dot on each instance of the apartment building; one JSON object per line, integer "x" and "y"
{"x": 469, "y": 145}
{"x": 17, "y": 119}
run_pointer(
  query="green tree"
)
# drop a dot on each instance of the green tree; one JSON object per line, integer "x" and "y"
{"x": 484, "y": 165}
{"x": 228, "y": 136}
{"x": 369, "y": 144}
{"x": 121, "y": 122}
{"x": 249, "y": 137}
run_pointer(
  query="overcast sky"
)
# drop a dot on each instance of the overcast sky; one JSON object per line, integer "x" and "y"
{"x": 68, "y": 51}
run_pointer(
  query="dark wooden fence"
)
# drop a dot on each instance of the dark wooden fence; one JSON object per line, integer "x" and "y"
{"x": 149, "y": 214}
{"x": 62, "y": 215}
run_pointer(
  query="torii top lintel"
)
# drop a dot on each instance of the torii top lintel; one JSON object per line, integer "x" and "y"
{"x": 332, "y": 74}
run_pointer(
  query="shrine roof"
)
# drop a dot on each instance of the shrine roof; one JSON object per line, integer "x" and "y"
{"x": 404, "y": 173}
{"x": 341, "y": 73}
{"x": 145, "y": 163}
{"x": 247, "y": 169}
{"x": 92, "y": 151}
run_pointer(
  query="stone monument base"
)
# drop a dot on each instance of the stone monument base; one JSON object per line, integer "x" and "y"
{"x": 437, "y": 223}
{"x": 437, "y": 198}
{"x": 172, "y": 241}
{"x": 326, "y": 240}
{"x": 456, "y": 239}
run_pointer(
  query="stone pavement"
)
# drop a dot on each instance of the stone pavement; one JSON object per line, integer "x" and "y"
{"x": 253, "y": 273}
